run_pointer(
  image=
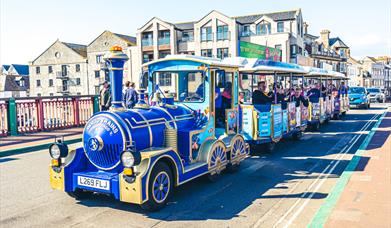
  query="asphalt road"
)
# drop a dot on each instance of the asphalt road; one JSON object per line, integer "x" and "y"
{"x": 284, "y": 188}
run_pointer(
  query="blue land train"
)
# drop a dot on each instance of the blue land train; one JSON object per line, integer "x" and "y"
{"x": 175, "y": 133}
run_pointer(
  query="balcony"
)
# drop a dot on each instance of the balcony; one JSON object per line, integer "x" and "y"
{"x": 223, "y": 36}
{"x": 147, "y": 42}
{"x": 62, "y": 75}
{"x": 64, "y": 89}
{"x": 163, "y": 41}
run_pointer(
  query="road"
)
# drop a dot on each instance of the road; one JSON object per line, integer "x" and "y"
{"x": 284, "y": 188}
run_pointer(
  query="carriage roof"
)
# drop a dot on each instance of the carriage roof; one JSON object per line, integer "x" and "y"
{"x": 203, "y": 60}
{"x": 254, "y": 65}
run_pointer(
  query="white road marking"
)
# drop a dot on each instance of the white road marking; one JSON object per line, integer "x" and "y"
{"x": 355, "y": 138}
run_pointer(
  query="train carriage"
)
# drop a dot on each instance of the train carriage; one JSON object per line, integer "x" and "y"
{"x": 138, "y": 155}
{"x": 269, "y": 123}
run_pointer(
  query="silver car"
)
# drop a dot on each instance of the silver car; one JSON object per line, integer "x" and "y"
{"x": 376, "y": 95}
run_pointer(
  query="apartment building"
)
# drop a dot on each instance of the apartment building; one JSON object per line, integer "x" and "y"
{"x": 277, "y": 36}
{"x": 61, "y": 69}
{"x": 97, "y": 73}
{"x": 14, "y": 80}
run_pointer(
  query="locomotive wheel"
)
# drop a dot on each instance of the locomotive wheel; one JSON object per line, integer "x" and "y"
{"x": 159, "y": 187}
{"x": 79, "y": 194}
{"x": 217, "y": 161}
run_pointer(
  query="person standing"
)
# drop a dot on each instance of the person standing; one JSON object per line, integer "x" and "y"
{"x": 131, "y": 96}
{"x": 105, "y": 98}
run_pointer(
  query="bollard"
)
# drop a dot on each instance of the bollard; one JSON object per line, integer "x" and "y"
{"x": 12, "y": 119}
{"x": 96, "y": 107}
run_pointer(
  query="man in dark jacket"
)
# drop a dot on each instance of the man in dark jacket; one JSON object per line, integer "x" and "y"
{"x": 259, "y": 96}
{"x": 130, "y": 97}
{"x": 105, "y": 97}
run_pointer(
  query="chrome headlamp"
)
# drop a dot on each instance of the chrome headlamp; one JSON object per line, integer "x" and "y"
{"x": 130, "y": 158}
{"x": 58, "y": 150}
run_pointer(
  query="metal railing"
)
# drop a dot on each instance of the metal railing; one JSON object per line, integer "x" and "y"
{"x": 27, "y": 115}
{"x": 163, "y": 40}
{"x": 147, "y": 42}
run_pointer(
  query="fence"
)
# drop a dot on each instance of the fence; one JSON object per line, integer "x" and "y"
{"x": 26, "y": 115}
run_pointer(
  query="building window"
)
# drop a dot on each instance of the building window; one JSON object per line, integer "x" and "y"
{"x": 165, "y": 79}
{"x": 38, "y": 94}
{"x": 264, "y": 28}
{"x": 38, "y": 83}
{"x": 206, "y": 52}
{"x": 50, "y": 82}
{"x": 188, "y": 36}
{"x": 97, "y": 74}
{"x": 64, "y": 70}
{"x": 99, "y": 58}
{"x": 147, "y": 39}
{"x": 77, "y": 67}
{"x": 163, "y": 54}
{"x": 50, "y": 69}
{"x": 222, "y": 53}
{"x": 280, "y": 26}
{"x": 206, "y": 34}
{"x": 147, "y": 57}
{"x": 222, "y": 32}
{"x": 164, "y": 37}
{"x": 246, "y": 30}
{"x": 278, "y": 46}
{"x": 51, "y": 94}
{"x": 77, "y": 81}
{"x": 38, "y": 70}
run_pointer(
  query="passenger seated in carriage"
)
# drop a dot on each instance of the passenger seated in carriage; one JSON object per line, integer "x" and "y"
{"x": 259, "y": 96}
{"x": 281, "y": 97}
{"x": 299, "y": 98}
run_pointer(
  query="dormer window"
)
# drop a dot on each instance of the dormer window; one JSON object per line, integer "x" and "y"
{"x": 264, "y": 28}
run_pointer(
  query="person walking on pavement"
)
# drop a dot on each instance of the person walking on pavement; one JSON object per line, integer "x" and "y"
{"x": 131, "y": 97}
{"x": 105, "y": 97}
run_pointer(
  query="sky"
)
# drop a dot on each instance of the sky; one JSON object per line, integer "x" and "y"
{"x": 28, "y": 28}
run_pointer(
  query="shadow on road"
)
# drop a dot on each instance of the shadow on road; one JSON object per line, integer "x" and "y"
{"x": 291, "y": 162}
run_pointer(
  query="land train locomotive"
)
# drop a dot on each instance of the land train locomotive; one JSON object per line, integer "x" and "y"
{"x": 138, "y": 155}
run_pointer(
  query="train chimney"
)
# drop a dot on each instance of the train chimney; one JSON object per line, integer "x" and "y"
{"x": 115, "y": 60}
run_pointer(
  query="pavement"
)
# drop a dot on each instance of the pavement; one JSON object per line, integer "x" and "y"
{"x": 286, "y": 188}
{"x": 35, "y": 141}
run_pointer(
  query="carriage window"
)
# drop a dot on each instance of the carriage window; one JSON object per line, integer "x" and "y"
{"x": 185, "y": 86}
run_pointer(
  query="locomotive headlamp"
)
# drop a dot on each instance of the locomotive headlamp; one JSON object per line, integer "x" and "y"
{"x": 127, "y": 159}
{"x": 58, "y": 150}
{"x": 130, "y": 158}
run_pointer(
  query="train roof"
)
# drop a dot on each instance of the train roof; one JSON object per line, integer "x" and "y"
{"x": 316, "y": 72}
{"x": 254, "y": 65}
{"x": 205, "y": 60}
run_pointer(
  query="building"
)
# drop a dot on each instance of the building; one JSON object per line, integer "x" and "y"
{"x": 61, "y": 69}
{"x": 14, "y": 81}
{"x": 96, "y": 50}
{"x": 325, "y": 52}
{"x": 276, "y": 35}
{"x": 376, "y": 71}
{"x": 354, "y": 72}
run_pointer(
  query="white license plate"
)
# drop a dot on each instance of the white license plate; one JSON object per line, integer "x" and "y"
{"x": 93, "y": 183}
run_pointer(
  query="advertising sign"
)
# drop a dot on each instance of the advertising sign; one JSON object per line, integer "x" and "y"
{"x": 251, "y": 50}
{"x": 292, "y": 114}
{"x": 277, "y": 121}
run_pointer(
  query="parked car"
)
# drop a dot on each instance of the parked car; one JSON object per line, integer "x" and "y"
{"x": 358, "y": 97}
{"x": 376, "y": 95}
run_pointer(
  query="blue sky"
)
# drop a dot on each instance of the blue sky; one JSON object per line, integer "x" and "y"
{"x": 27, "y": 28}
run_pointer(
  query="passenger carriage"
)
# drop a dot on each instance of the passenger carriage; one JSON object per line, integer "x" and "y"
{"x": 267, "y": 124}
{"x": 341, "y": 101}
{"x": 138, "y": 155}
{"x": 322, "y": 108}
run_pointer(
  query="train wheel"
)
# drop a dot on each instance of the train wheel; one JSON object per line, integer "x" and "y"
{"x": 159, "y": 187}
{"x": 80, "y": 194}
{"x": 238, "y": 148}
{"x": 217, "y": 161}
